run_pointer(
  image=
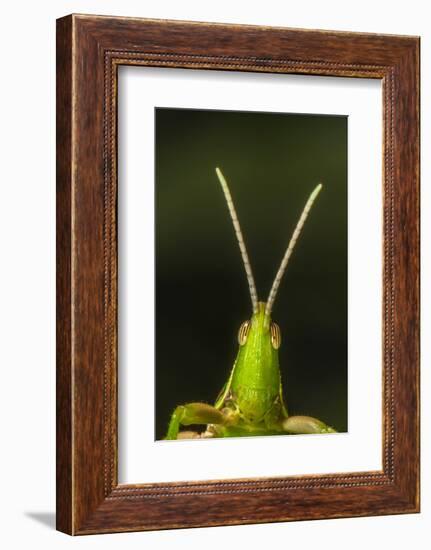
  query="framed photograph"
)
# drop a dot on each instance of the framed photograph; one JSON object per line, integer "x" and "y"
{"x": 237, "y": 274}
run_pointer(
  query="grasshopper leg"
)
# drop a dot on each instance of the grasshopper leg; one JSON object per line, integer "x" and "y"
{"x": 193, "y": 413}
{"x": 305, "y": 425}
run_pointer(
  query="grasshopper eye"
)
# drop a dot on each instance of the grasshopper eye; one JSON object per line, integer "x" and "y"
{"x": 244, "y": 329}
{"x": 275, "y": 336}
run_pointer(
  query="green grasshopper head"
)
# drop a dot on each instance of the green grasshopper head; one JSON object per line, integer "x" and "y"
{"x": 260, "y": 326}
{"x": 255, "y": 382}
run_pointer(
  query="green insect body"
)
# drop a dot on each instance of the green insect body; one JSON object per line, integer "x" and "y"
{"x": 251, "y": 402}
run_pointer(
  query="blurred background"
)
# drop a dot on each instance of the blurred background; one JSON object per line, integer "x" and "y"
{"x": 272, "y": 161}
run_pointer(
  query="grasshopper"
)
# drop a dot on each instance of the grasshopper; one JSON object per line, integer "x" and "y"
{"x": 251, "y": 401}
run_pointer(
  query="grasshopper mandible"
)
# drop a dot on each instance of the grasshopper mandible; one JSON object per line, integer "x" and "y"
{"x": 251, "y": 401}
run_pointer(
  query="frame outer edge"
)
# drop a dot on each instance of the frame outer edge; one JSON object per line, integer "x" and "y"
{"x": 407, "y": 269}
{"x": 64, "y": 370}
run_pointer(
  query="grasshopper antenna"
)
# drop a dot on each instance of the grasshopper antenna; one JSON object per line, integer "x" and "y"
{"x": 240, "y": 238}
{"x": 294, "y": 238}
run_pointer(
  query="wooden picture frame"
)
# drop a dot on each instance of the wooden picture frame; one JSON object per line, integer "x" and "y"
{"x": 89, "y": 51}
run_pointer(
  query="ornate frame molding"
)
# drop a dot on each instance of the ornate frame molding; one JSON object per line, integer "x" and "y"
{"x": 90, "y": 49}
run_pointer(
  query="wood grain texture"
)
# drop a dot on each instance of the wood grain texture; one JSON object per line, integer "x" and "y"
{"x": 64, "y": 497}
{"x": 90, "y": 49}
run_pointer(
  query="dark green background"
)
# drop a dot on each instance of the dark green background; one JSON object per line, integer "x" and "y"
{"x": 272, "y": 162}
